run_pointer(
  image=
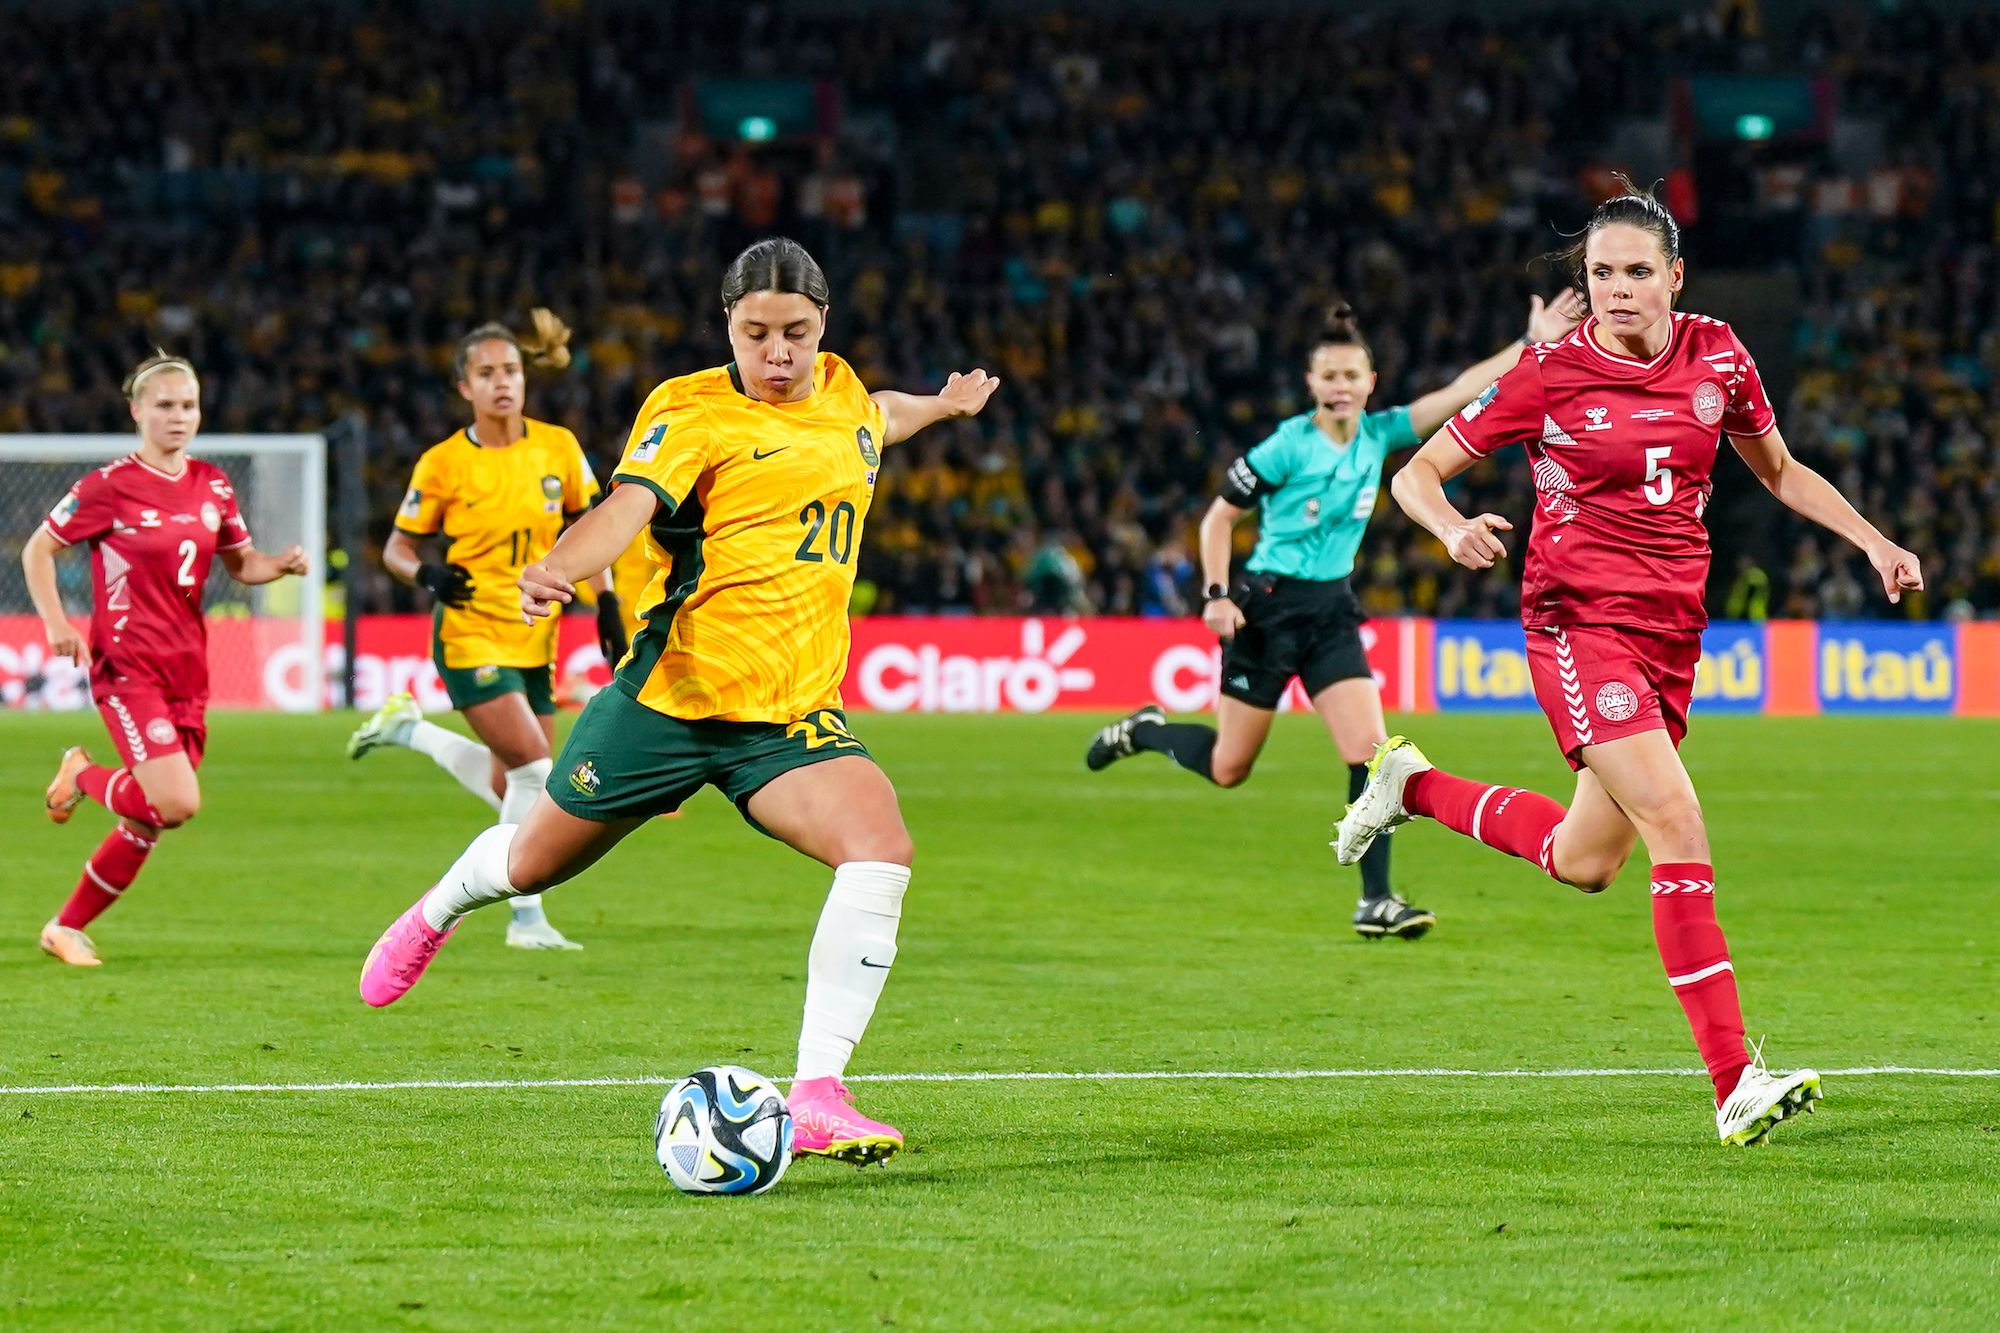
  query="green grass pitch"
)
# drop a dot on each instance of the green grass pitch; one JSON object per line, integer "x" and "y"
{"x": 1134, "y": 920}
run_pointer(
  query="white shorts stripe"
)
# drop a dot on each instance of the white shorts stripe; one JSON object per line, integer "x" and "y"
{"x": 1704, "y": 974}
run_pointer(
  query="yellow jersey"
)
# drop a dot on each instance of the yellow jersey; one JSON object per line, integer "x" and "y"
{"x": 500, "y": 510}
{"x": 761, "y": 508}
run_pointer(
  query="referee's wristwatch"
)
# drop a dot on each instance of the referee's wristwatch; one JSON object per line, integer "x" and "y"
{"x": 1214, "y": 592}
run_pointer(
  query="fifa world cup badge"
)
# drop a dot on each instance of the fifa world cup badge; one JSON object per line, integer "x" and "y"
{"x": 866, "y": 441}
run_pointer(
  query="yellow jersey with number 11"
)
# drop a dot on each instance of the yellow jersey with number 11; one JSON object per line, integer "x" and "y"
{"x": 500, "y": 510}
{"x": 761, "y": 509}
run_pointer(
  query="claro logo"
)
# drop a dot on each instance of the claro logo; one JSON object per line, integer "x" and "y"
{"x": 902, "y": 678}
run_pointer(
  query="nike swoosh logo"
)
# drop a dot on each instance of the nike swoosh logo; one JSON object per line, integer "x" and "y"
{"x": 866, "y": 963}
{"x": 760, "y": 454}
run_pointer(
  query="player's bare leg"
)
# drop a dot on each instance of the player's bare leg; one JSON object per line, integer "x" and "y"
{"x": 842, "y": 813}
{"x": 155, "y": 794}
{"x": 1352, "y": 711}
{"x": 1645, "y": 777}
{"x": 521, "y": 743}
{"x": 503, "y": 862}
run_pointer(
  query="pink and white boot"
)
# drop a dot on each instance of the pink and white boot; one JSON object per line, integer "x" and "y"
{"x": 825, "y": 1124}
{"x": 400, "y": 956}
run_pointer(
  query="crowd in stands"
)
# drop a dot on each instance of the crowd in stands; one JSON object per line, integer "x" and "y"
{"x": 1137, "y": 220}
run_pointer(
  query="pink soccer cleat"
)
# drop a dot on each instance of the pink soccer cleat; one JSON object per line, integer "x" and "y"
{"x": 400, "y": 956}
{"x": 825, "y": 1124}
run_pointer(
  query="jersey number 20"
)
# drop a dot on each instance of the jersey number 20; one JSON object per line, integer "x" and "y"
{"x": 838, "y": 527}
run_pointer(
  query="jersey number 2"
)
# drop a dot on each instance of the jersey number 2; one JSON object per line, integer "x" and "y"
{"x": 188, "y": 551}
{"x": 1659, "y": 487}
{"x": 839, "y": 529}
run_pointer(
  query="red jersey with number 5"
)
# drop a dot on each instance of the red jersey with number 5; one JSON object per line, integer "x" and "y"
{"x": 1623, "y": 453}
{"x": 152, "y": 538}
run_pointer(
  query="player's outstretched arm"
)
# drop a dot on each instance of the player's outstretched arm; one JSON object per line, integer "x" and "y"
{"x": 1806, "y": 493}
{"x": 1546, "y": 323}
{"x": 962, "y": 396}
{"x": 1419, "y": 489}
{"x": 251, "y": 567}
{"x": 586, "y": 550}
{"x": 38, "y": 565}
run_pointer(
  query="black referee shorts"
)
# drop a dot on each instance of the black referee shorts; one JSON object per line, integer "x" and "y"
{"x": 1292, "y": 627}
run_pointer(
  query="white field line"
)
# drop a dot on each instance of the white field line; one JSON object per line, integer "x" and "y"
{"x": 1020, "y": 1076}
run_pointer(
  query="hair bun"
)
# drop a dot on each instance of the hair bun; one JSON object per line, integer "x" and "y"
{"x": 548, "y": 346}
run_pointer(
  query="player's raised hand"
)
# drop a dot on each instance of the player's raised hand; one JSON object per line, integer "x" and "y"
{"x": 1901, "y": 571}
{"x": 964, "y": 394}
{"x": 293, "y": 561}
{"x": 542, "y": 590}
{"x": 66, "y": 641}
{"x": 1548, "y": 321}
{"x": 1473, "y": 543}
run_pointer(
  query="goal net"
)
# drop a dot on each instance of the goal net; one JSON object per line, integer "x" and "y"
{"x": 265, "y": 645}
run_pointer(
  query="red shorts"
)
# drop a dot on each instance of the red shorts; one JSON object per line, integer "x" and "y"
{"x": 1599, "y": 683}
{"x": 145, "y": 724}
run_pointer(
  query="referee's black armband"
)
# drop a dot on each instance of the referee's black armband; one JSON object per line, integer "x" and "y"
{"x": 1241, "y": 486}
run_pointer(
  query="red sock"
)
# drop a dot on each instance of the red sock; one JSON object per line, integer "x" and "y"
{"x": 1519, "y": 823}
{"x": 1698, "y": 967}
{"x": 118, "y": 791}
{"x": 106, "y": 875}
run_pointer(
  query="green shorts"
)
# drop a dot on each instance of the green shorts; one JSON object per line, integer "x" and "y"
{"x": 623, "y": 760}
{"x": 475, "y": 685}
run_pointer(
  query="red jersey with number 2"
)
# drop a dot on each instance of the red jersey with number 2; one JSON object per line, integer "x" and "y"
{"x": 152, "y": 539}
{"x": 1623, "y": 453}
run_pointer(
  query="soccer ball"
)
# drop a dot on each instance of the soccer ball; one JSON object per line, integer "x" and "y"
{"x": 723, "y": 1130}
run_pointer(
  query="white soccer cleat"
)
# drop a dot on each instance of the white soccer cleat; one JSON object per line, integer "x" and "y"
{"x": 382, "y": 729}
{"x": 67, "y": 944}
{"x": 1379, "y": 808}
{"x": 537, "y": 935}
{"x": 1762, "y": 1099}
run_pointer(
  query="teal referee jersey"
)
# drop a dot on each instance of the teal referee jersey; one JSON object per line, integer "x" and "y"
{"x": 1317, "y": 496}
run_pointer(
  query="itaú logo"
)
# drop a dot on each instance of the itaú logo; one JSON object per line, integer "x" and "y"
{"x": 900, "y": 677}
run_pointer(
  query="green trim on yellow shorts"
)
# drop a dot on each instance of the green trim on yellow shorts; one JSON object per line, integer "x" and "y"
{"x": 624, "y": 760}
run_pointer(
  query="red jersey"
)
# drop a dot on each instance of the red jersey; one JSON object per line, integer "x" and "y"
{"x": 152, "y": 538}
{"x": 1623, "y": 453}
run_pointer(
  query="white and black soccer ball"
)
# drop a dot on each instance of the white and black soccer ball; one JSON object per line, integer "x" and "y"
{"x": 723, "y": 1130}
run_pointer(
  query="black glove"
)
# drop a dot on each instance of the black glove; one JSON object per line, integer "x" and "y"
{"x": 611, "y": 640}
{"x": 450, "y": 584}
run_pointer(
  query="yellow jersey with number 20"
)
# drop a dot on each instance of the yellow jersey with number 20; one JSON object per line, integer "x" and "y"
{"x": 500, "y": 510}
{"x": 761, "y": 507}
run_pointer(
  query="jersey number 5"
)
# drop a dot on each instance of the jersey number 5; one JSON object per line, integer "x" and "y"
{"x": 1659, "y": 487}
{"x": 838, "y": 527}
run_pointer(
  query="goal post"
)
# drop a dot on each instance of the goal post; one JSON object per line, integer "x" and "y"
{"x": 266, "y": 645}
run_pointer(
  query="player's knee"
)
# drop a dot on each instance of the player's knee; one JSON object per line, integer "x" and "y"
{"x": 889, "y": 845}
{"x": 1230, "y": 772}
{"x": 1675, "y": 829}
{"x": 1591, "y": 874}
{"x": 177, "y": 810}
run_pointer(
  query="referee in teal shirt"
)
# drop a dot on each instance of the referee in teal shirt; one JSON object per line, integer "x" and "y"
{"x": 1293, "y": 612}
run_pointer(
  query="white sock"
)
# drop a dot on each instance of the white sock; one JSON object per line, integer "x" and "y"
{"x": 477, "y": 878}
{"x": 524, "y": 784}
{"x": 467, "y": 760}
{"x": 851, "y": 954}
